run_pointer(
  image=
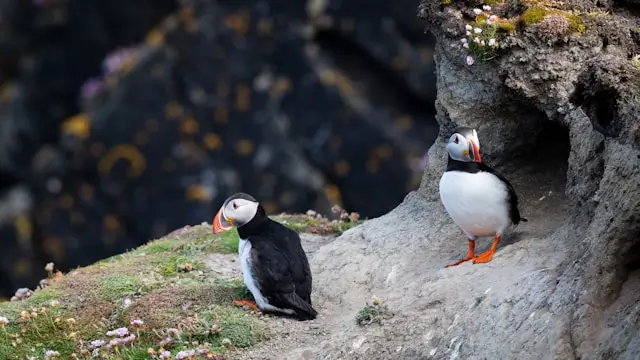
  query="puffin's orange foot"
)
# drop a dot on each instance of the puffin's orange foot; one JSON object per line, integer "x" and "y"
{"x": 248, "y": 303}
{"x": 459, "y": 262}
{"x": 472, "y": 247}
{"x": 485, "y": 257}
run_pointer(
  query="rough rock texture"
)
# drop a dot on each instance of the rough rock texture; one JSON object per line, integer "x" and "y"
{"x": 121, "y": 121}
{"x": 562, "y": 123}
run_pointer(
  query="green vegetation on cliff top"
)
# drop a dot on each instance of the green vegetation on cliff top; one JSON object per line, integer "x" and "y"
{"x": 169, "y": 295}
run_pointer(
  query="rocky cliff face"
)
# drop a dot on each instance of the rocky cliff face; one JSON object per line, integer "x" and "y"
{"x": 556, "y": 103}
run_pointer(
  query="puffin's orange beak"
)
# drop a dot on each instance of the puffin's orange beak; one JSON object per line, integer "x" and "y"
{"x": 474, "y": 150}
{"x": 220, "y": 224}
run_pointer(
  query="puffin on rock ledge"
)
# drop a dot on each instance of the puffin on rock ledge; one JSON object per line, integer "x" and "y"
{"x": 275, "y": 268}
{"x": 479, "y": 200}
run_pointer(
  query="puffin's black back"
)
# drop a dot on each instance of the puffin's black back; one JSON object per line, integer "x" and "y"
{"x": 280, "y": 263}
{"x": 474, "y": 167}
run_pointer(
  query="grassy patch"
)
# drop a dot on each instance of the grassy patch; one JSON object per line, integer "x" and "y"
{"x": 117, "y": 286}
{"x": 373, "y": 313}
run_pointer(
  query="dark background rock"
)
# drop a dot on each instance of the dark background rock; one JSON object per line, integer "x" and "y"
{"x": 121, "y": 121}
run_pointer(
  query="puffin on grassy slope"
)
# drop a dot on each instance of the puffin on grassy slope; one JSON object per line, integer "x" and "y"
{"x": 274, "y": 265}
{"x": 479, "y": 200}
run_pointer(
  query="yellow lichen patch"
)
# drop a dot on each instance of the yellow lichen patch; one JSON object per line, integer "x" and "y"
{"x": 111, "y": 223}
{"x": 535, "y": 14}
{"x": 244, "y": 147}
{"x": 188, "y": 19}
{"x": 280, "y": 87}
{"x": 24, "y": 228}
{"x": 384, "y": 151}
{"x": 337, "y": 79}
{"x": 238, "y": 22}
{"x": 212, "y": 141}
{"x": 404, "y": 122}
{"x": 198, "y": 193}
{"x": 173, "y": 110}
{"x": 65, "y": 201}
{"x": 507, "y": 25}
{"x": 342, "y": 168}
{"x": 189, "y": 126}
{"x": 332, "y": 192}
{"x": 155, "y": 38}
{"x": 55, "y": 247}
{"x": 243, "y": 97}
{"x": 123, "y": 151}
{"x": 78, "y": 125}
{"x": 265, "y": 27}
{"x": 168, "y": 164}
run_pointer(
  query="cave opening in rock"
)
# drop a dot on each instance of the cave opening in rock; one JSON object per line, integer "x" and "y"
{"x": 538, "y": 171}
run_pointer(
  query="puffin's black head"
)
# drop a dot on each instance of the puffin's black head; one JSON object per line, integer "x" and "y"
{"x": 237, "y": 210}
{"x": 464, "y": 145}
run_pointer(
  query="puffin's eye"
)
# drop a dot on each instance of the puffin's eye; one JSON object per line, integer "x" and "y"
{"x": 235, "y": 206}
{"x": 455, "y": 140}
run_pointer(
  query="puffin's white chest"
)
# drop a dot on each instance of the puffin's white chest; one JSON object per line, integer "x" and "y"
{"x": 476, "y": 202}
{"x": 244, "y": 250}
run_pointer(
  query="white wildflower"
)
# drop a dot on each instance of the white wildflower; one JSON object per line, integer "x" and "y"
{"x": 476, "y": 40}
{"x": 463, "y": 40}
{"x": 3, "y": 321}
{"x": 493, "y": 18}
{"x": 492, "y": 42}
{"x": 477, "y": 30}
{"x": 470, "y": 60}
{"x": 477, "y": 11}
{"x": 468, "y": 33}
{"x": 465, "y": 45}
{"x": 482, "y": 43}
{"x": 486, "y": 7}
{"x": 468, "y": 27}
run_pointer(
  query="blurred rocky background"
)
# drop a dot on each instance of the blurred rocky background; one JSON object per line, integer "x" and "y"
{"x": 123, "y": 120}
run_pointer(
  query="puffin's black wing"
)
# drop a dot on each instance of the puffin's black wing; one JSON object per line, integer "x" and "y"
{"x": 512, "y": 197}
{"x": 282, "y": 271}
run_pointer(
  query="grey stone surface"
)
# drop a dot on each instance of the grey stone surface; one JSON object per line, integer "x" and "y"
{"x": 562, "y": 123}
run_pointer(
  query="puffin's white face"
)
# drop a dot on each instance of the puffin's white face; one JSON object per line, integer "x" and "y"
{"x": 235, "y": 211}
{"x": 464, "y": 148}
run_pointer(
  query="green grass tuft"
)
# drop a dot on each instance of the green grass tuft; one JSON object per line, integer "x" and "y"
{"x": 373, "y": 313}
{"x": 118, "y": 286}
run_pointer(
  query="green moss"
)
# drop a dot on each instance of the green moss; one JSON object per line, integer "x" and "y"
{"x": 574, "y": 22}
{"x": 225, "y": 322}
{"x": 533, "y": 15}
{"x": 536, "y": 14}
{"x": 159, "y": 246}
{"x": 173, "y": 265}
{"x": 506, "y": 26}
{"x": 118, "y": 286}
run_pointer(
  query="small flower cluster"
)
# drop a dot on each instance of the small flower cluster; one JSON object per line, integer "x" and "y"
{"x": 482, "y": 35}
{"x": 344, "y": 215}
{"x": 50, "y": 354}
{"x": 3, "y": 321}
{"x": 113, "y": 62}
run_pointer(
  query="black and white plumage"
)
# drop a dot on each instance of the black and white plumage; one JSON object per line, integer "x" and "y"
{"x": 479, "y": 199}
{"x": 274, "y": 265}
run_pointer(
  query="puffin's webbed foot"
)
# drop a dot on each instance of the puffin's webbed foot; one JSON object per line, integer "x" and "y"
{"x": 248, "y": 303}
{"x": 487, "y": 256}
{"x": 472, "y": 247}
